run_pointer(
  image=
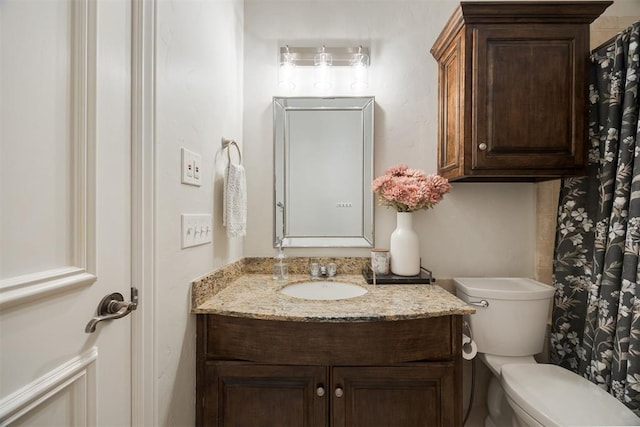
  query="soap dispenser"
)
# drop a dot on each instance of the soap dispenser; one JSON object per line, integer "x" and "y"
{"x": 280, "y": 267}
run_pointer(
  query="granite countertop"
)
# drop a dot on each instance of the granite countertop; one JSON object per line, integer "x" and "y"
{"x": 234, "y": 291}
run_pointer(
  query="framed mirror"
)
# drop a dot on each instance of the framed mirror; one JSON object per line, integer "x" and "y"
{"x": 323, "y": 168}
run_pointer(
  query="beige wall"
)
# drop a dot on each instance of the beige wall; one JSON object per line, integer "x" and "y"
{"x": 547, "y": 193}
{"x": 199, "y": 64}
{"x": 606, "y": 27}
{"x": 479, "y": 229}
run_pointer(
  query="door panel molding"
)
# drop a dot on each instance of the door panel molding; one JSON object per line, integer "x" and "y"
{"x": 83, "y": 49}
{"x": 46, "y": 283}
{"x": 77, "y": 375}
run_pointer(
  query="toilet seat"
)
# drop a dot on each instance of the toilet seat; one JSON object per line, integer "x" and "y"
{"x": 554, "y": 396}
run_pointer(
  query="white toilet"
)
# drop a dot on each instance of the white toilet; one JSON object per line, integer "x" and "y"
{"x": 509, "y": 329}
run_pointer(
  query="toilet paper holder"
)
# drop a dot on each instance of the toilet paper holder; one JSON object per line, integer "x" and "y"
{"x": 469, "y": 347}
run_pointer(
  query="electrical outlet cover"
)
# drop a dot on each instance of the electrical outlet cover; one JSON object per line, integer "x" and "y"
{"x": 191, "y": 168}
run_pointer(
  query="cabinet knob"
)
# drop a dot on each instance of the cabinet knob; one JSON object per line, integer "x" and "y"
{"x": 320, "y": 391}
{"x": 482, "y": 146}
{"x": 339, "y": 392}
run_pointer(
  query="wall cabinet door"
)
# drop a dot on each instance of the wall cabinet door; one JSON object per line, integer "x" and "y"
{"x": 529, "y": 98}
{"x": 239, "y": 394}
{"x": 416, "y": 394}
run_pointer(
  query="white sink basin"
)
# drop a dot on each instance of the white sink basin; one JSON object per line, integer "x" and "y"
{"x": 323, "y": 290}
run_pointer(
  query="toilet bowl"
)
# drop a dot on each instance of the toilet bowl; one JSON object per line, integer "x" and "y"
{"x": 509, "y": 329}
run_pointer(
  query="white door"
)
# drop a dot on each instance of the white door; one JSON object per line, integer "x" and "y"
{"x": 65, "y": 209}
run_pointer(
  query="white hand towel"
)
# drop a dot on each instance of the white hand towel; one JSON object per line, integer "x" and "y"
{"x": 234, "y": 214}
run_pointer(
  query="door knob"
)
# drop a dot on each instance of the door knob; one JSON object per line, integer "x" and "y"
{"x": 339, "y": 392}
{"x": 320, "y": 391}
{"x": 482, "y": 146}
{"x": 112, "y": 306}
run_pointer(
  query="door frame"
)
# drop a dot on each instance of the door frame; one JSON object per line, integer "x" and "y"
{"x": 143, "y": 337}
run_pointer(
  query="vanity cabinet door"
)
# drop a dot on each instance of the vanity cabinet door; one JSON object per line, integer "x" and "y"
{"x": 239, "y": 394}
{"x": 415, "y": 394}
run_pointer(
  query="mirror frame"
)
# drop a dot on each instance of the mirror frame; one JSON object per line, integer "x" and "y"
{"x": 281, "y": 138}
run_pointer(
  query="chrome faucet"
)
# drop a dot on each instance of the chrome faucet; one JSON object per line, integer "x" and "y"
{"x": 318, "y": 270}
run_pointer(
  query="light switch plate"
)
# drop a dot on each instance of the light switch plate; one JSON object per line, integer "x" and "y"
{"x": 191, "y": 168}
{"x": 197, "y": 229}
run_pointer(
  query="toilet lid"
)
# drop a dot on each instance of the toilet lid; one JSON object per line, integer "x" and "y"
{"x": 555, "y": 396}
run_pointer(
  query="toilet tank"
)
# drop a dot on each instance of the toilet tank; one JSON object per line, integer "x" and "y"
{"x": 515, "y": 321}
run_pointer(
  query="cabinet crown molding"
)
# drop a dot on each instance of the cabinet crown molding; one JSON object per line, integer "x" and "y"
{"x": 528, "y": 12}
{"x": 497, "y": 12}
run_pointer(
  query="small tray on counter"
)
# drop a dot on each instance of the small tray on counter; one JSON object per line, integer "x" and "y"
{"x": 424, "y": 278}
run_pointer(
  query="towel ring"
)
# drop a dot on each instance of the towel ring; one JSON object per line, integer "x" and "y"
{"x": 226, "y": 143}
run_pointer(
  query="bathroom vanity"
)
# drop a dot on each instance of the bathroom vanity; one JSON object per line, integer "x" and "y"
{"x": 389, "y": 357}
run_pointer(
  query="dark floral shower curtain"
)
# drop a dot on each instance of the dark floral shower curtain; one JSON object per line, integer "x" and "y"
{"x": 596, "y": 314}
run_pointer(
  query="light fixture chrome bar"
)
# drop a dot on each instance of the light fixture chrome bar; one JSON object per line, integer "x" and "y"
{"x": 304, "y": 56}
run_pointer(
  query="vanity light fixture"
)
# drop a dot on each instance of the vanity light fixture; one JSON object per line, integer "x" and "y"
{"x": 323, "y": 60}
{"x": 286, "y": 70}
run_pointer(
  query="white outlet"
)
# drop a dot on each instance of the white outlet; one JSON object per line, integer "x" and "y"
{"x": 191, "y": 168}
{"x": 197, "y": 229}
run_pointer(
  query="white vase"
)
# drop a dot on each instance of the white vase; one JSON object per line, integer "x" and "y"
{"x": 404, "y": 247}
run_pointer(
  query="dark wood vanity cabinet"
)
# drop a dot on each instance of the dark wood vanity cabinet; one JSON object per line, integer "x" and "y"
{"x": 363, "y": 374}
{"x": 512, "y": 90}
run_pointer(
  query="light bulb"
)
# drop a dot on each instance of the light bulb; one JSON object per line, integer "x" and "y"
{"x": 286, "y": 71}
{"x": 360, "y": 71}
{"x": 322, "y": 62}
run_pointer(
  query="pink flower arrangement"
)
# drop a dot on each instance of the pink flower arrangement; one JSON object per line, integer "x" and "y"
{"x": 408, "y": 190}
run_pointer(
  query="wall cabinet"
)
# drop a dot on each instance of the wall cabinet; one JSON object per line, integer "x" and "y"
{"x": 356, "y": 381}
{"x": 512, "y": 90}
